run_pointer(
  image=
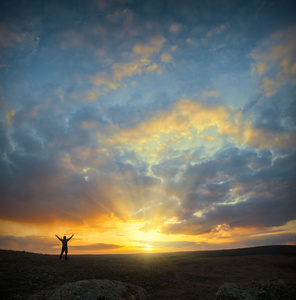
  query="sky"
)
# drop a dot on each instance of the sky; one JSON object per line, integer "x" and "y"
{"x": 147, "y": 126}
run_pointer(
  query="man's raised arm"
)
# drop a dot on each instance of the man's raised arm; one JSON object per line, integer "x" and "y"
{"x": 70, "y": 237}
{"x": 58, "y": 238}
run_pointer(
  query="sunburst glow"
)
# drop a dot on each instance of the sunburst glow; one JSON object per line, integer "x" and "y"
{"x": 147, "y": 128}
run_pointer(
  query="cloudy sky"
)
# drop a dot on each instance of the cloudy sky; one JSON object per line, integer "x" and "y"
{"x": 147, "y": 125}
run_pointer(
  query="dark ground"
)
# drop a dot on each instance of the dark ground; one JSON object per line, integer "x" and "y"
{"x": 182, "y": 275}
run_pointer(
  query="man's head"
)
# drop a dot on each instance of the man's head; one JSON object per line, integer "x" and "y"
{"x": 64, "y": 237}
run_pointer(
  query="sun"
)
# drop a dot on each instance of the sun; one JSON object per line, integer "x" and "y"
{"x": 148, "y": 247}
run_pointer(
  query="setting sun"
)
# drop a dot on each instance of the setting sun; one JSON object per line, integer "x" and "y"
{"x": 148, "y": 247}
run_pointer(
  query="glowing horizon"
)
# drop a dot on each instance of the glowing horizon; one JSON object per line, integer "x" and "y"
{"x": 147, "y": 126}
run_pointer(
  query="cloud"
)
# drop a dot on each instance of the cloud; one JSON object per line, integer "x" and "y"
{"x": 217, "y": 30}
{"x": 185, "y": 119}
{"x": 247, "y": 239}
{"x": 129, "y": 69}
{"x": 12, "y": 38}
{"x": 9, "y": 117}
{"x": 39, "y": 182}
{"x": 37, "y": 244}
{"x": 210, "y": 93}
{"x": 152, "y": 68}
{"x": 275, "y": 61}
{"x": 145, "y": 51}
{"x": 263, "y": 139}
{"x": 166, "y": 57}
{"x": 103, "y": 80}
{"x": 95, "y": 247}
{"x": 137, "y": 66}
{"x": 228, "y": 190}
{"x": 100, "y": 169}
{"x": 175, "y": 27}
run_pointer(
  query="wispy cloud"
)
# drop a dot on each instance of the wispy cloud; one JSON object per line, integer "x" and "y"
{"x": 138, "y": 65}
{"x": 217, "y": 30}
{"x": 275, "y": 61}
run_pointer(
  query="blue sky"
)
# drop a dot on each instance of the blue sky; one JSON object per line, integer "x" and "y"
{"x": 147, "y": 125}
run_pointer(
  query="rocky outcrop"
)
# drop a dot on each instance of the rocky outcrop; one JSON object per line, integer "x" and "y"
{"x": 274, "y": 289}
{"x": 93, "y": 290}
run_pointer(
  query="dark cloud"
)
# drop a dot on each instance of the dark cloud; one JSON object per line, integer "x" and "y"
{"x": 96, "y": 247}
{"x": 273, "y": 239}
{"x": 191, "y": 225}
{"x": 262, "y": 240}
{"x": 167, "y": 169}
{"x": 39, "y": 244}
{"x": 229, "y": 190}
{"x": 39, "y": 189}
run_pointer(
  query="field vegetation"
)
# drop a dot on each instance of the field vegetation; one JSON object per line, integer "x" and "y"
{"x": 182, "y": 275}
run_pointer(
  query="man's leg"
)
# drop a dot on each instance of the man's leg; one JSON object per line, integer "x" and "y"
{"x": 66, "y": 252}
{"x": 62, "y": 252}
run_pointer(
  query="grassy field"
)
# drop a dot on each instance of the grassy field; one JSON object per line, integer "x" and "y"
{"x": 182, "y": 275}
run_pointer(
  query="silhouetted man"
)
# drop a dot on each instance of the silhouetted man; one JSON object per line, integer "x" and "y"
{"x": 65, "y": 245}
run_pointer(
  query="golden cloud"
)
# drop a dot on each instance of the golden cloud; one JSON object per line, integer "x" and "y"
{"x": 185, "y": 119}
{"x": 129, "y": 69}
{"x": 276, "y": 59}
{"x": 145, "y": 51}
{"x": 194, "y": 122}
{"x": 152, "y": 68}
{"x": 103, "y": 80}
{"x": 134, "y": 67}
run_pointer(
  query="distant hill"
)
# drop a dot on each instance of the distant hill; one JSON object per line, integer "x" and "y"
{"x": 274, "y": 249}
{"x": 271, "y": 250}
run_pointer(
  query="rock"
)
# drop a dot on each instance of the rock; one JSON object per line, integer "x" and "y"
{"x": 229, "y": 291}
{"x": 274, "y": 289}
{"x": 93, "y": 290}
